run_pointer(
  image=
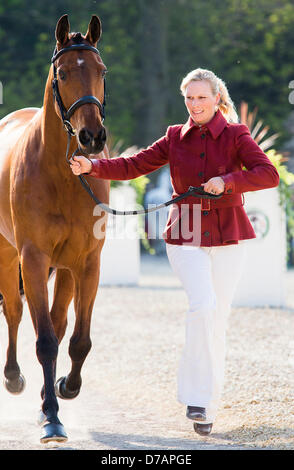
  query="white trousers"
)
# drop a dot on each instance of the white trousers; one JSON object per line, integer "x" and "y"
{"x": 209, "y": 276}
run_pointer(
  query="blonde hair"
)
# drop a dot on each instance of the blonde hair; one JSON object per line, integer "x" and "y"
{"x": 226, "y": 105}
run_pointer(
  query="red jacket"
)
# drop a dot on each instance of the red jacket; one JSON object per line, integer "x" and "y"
{"x": 196, "y": 154}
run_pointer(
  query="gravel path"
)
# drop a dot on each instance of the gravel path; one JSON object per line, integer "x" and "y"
{"x": 128, "y": 399}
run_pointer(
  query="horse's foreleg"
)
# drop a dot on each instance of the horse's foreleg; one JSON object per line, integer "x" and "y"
{"x": 86, "y": 283}
{"x": 63, "y": 294}
{"x": 35, "y": 269}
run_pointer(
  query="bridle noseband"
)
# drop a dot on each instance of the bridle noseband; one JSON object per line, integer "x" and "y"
{"x": 66, "y": 114}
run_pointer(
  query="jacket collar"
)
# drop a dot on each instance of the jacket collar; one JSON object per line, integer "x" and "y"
{"x": 215, "y": 126}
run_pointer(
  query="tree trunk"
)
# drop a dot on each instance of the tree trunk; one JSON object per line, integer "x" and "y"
{"x": 152, "y": 107}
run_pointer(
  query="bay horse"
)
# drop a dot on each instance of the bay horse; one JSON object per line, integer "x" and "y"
{"x": 46, "y": 216}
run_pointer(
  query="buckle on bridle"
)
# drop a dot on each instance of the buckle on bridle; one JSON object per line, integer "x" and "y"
{"x": 68, "y": 127}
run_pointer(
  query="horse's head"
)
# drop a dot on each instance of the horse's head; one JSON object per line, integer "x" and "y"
{"x": 78, "y": 84}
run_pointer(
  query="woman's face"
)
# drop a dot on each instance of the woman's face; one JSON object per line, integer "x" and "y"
{"x": 200, "y": 101}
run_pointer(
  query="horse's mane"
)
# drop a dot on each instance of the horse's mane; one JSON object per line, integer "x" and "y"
{"x": 77, "y": 38}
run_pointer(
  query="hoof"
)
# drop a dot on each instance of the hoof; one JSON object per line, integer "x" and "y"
{"x": 53, "y": 432}
{"x": 62, "y": 392}
{"x": 15, "y": 386}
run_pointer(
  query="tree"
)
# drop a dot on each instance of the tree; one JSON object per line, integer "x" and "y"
{"x": 148, "y": 46}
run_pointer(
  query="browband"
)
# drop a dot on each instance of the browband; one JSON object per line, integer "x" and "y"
{"x": 57, "y": 54}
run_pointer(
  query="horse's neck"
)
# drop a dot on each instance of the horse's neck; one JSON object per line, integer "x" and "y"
{"x": 54, "y": 135}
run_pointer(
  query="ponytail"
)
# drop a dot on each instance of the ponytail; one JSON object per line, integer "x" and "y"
{"x": 226, "y": 105}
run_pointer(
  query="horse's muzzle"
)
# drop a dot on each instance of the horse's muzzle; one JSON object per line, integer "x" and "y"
{"x": 90, "y": 143}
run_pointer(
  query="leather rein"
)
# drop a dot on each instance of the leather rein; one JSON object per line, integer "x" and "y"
{"x": 196, "y": 191}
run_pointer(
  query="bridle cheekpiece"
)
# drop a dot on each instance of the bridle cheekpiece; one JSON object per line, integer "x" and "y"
{"x": 66, "y": 114}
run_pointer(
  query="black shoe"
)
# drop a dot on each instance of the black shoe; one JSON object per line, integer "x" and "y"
{"x": 196, "y": 413}
{"x": 203, "y": 429}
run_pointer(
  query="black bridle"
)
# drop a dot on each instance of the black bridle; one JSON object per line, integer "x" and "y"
{"x": 66, "y": 115}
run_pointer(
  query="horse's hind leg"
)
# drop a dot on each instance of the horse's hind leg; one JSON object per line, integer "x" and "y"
{"x": 63, "y": 294}
{"x": 86, "y": 282}
{"x": 12, "y": 309}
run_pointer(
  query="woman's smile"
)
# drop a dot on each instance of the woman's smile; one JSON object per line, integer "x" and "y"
{"x": 200, "y": 101}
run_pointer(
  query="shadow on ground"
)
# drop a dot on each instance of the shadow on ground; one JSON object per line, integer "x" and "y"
{"x": 141, "y": 442}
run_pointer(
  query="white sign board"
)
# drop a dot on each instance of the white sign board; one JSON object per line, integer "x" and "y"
{"x": 263, "y": 282}
{"x": 120, "y": 257}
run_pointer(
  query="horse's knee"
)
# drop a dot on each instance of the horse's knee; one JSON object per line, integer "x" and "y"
{"x": 79, "y": 348}
{"x": 47, "y": 348}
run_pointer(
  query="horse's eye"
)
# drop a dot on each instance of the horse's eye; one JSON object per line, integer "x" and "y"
{"x": 62, "y": 75}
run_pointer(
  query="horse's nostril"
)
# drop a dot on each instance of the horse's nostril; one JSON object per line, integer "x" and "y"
{"x": 85, "y": 137}
{"x": 102, "y": 135}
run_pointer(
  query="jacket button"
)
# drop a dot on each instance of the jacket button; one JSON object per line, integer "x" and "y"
{"x": 202, "y": 154}
{"x": 205, "y": 212}
{"x": 203, "y": 136}
{"x": 229, "y": 190}
{"x": 200, "y": 173}
{"x": 206, "y": 234}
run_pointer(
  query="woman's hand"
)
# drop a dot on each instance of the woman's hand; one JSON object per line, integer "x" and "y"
{"x": 215, "y": 185}
{"x": 80, "y": 164}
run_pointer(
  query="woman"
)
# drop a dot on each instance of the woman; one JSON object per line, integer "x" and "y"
{"x": 211, "y": 149}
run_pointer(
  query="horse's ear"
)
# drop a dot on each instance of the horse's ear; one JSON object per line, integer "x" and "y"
{"x": 94, "y": 30}
{"x": 62, "y": 30}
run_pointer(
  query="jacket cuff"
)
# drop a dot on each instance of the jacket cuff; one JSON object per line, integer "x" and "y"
{"x": 229, "y": 183}
{"x": 95, "y": 168}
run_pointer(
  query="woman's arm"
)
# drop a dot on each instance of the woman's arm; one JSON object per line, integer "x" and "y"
{"x": 120, "y": 168}
{"x": 260, "y": 173}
